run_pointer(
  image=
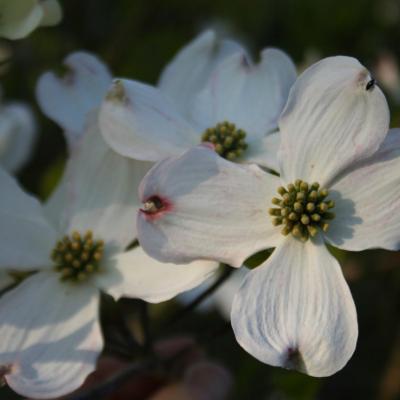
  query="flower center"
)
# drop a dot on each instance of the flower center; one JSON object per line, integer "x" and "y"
{"x": 77, "y": 257}
{"x": 302, "y": 209}
{"x": 229, "y": 142}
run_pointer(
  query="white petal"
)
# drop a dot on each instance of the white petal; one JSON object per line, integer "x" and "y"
{"x": 134, "y": 274}
{"x": 264, "y": 151}
{"x": 26, "y": 238}
{"x": 19, "y": 18}
{"x": 18, "y": 129}
{"x": 296, "y": 310}
{"x": 187, "y": 73}
{"x": 50, "y": 335}
{"x": 57, "y": 206}
{"x": 69, "y": 99}
{"x": 251, "y": 96}
{"x": 139, "y": 121}
{"x": 367, "y": 201}
{"x": 52, "y": 12}
{"x": 103, "y": 190}
{"x": 214, "y": 209}
{"x": 331, "y": 120}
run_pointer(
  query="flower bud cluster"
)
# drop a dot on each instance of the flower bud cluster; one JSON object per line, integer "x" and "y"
{"x": 229, "y": 142}
{"x": 302, "y": 209}
{"x": 77, "y": 257}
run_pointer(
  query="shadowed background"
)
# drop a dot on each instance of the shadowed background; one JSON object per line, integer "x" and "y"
{"x": 136, "y": 39}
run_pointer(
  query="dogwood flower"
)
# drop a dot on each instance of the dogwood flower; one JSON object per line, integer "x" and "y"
{"x": 339, "y": 184}
{"x": 67, "y": 100}
{"x": 18, "y": 18}
{"x": 236, "y": 106}
{"x": 17, "y": 135}
{"x": 49, "y": 324}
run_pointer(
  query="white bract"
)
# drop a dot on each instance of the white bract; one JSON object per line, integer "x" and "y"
{"x": 339, "y": 184}
{"x": 77, "y": 242}
{"x": 18, "y": 18}
{"x": 69, "y": 99}
{"x": 212, "y": 92}
{"x": 17, "y": 135}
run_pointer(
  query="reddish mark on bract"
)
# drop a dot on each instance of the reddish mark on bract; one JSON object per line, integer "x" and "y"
{"x": 294, "y": 359}
{"x": 155, "y": 206}
{"x": 208, "y": 145}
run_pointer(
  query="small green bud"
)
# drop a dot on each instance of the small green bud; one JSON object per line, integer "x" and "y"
{"x": 304, "y": 186}
{"x": 323, "y": 193}
{"x": 305, "y": 219}
{"x": 312, "y": 230}
{"x": 313, "y": 195}
{"x": 298, "y": 207}
{"x": 285, "y": 212}
{"x": 316, "y": 217}
{"x": 228, "y": 141}
{"x": 310, "y": 207}
{"x": 325, "y": 226}
{"x": 297, "y": 231}
{"x": 331, "y": 204}
{"x": 323, "y": 207}
{"x": 293, "y": 216}
{"x": 281, "y": 190}
{"x": 277, "y": 221}
{"x": 218, "y": 149}
{"x": 274, "y": 211}
{"x": 300, "y": 196}
{"x": 231, "y": 155}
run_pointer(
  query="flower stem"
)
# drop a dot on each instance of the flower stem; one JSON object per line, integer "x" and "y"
{"x": 227, "y": 271}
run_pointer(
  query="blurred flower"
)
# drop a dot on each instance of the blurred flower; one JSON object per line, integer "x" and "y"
{"x": 222, "y": 298}
{"x": 190, "y": 375}
{"x": 212, "y": 92}
{"x": 67, "y": 100}
{"x": 387, "y": 72}
{"x": 295, "y": 310}
{"x": 77, "y": 242}
{"x": 202, "y": 381}
{"x": 17, "y": 135}
{"x": 18, "y": 18}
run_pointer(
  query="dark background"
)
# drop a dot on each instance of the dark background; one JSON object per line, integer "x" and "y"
{"x": 136, "y": 39}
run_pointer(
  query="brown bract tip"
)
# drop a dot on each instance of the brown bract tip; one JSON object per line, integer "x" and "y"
{"x": 117, "y": 92}
{"x": 294, "y": 360}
